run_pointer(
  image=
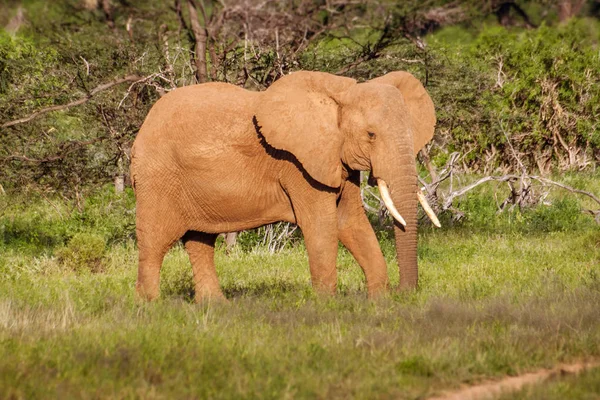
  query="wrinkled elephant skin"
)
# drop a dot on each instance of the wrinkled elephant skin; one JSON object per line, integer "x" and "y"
{"x": 216, "y": 158}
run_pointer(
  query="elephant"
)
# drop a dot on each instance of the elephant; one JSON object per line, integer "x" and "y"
{"x": 214, "y": 158}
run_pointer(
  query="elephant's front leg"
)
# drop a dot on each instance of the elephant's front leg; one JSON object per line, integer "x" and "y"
{"x": 201, "y": 249}
{"x": 356, "y": 233}
{"x": 317, "y": 218}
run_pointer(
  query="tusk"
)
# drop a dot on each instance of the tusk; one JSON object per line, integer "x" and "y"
{"x": 387, "y": 200}
{"x": 427, "y": 208}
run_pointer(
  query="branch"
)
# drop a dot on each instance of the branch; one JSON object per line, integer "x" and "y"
{"x": 65, "y": 149}
{"x": 508, "y": 178}
{"x": 448, "y": 200}
{"x": 566, "y": 187}
{"x": 200, "y": 37}
{"x": 96, "y": 90}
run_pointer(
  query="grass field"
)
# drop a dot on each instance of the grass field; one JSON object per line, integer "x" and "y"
{"x": 499, "y": 295}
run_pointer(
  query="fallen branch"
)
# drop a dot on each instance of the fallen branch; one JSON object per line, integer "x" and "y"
{"x": 521, "y": 196}
{"x": 448, "y": 200}
{"x": 566, "y": 187}
{"x": 96, "y": 90}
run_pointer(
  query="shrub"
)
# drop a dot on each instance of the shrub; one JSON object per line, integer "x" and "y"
{"x": 538, "y": 89}
{"x": 84, "y": 252}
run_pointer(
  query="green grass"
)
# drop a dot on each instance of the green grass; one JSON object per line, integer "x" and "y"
{"x": 491, "y": 303}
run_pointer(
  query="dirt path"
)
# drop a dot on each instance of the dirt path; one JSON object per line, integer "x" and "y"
{"x": 489, "y": 390}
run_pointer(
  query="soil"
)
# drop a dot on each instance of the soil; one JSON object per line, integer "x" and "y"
{"x": 489, "y": 390}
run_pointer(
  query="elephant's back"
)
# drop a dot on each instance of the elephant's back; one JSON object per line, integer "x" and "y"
{"x": 193, "y": 128}
{"x": 198, "y": 112}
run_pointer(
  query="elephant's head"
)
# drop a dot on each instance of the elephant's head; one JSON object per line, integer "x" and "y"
{"x": 329, "y": 122}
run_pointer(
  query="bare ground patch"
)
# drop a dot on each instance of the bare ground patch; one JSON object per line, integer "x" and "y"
{"x": 489, "y": 390}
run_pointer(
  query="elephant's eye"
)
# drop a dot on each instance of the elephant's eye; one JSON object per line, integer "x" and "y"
{"x": 371, "y": 135}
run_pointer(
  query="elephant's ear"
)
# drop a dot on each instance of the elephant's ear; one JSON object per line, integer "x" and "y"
{"x": 420, "y": 106}
{"x": 299, "y": 114}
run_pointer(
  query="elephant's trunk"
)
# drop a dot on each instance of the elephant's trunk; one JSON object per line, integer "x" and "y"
{"x": 406, "y": 237}
{"x": 401, "y": 177}
{"x": 404, "y": 196}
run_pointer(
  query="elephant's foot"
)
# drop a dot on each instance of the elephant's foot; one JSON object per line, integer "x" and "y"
{"x": 146, "y": 291}
{"x": 378, "y": 289}
{"x": 205, "y": 295}
{"x": 148, "y": 282}
{"x": 326, "y": 285}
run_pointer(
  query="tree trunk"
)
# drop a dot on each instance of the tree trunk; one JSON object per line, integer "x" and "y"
{"x": 230, "y": 241}
{"x": 569, "y": 8}
{"x": 108, "y": 14}
{"x": 16, "y": 22}
{"x": 120, "y": 177}
{"x": 505, "y": 19}
{"x": 200, "y": 37}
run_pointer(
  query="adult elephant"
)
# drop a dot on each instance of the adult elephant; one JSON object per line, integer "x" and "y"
{"x": 215, "y": 158}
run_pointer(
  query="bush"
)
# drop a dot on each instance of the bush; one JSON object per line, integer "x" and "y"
{"x": 35, "y": 224}
{"x": 538, "y": 89}
{"x": 84, "y": 252}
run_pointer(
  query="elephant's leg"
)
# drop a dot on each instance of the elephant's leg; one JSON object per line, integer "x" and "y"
{"x": 201, "y": 249}
{"x": 158, "y": 227}
{"x": 152, "y": 248}
{"x": 318, "y": 222}
{"x": 356, "y": 233}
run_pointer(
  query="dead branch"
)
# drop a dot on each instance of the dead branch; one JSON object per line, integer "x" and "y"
{"x": 96, "y": 90}
{"x": 567, "y": 187}
{"x": 129, "y": 28}
{"x": 450, "y": 198}
{"x": 65, "y": 149}
{"x": 520, "y": 195}
{"x": 144, "y": 80}
{"x": 60, "y": 214}
{"x": 16, "y": 22}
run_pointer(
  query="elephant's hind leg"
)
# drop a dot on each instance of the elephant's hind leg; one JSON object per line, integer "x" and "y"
{"x": 157, "y": 229}
{"x": 152, "y": 248}
{"x": 201, "y": 249}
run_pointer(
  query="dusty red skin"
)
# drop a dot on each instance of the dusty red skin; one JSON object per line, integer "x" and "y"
{"x": 216, "y": 158}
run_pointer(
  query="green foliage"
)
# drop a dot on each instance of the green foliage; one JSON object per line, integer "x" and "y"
{"x": 480, "y": 212}
{"x": 24, "y": 65}
{"x": 60, "y": 55}
{"x": 534, "y": 94}
{"x": 564, "y": 215}
{"x": 84, "y": 252}
{"x": 36, "y": 224}
{"x": 417, "y": 365}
